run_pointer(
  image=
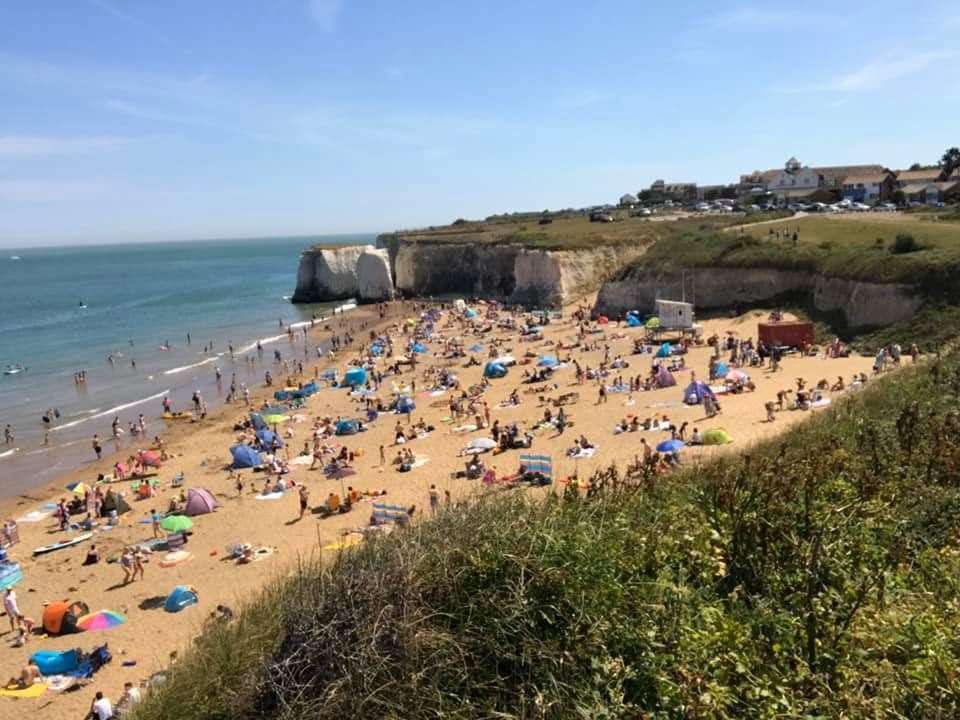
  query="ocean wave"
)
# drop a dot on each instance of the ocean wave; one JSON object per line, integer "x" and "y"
{"x": 8, "y": 453}
{"x": 111, "y": 411}
{"x": 174, "y": 371}
{"x": 263, "y": 341}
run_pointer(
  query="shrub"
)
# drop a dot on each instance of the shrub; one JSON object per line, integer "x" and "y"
{"x": 905, "y": 243}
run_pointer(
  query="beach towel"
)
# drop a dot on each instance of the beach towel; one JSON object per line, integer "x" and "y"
{"x": 35, "y": 690}
{"x": 270, "y": 496}
{"x": 583, "y": 453}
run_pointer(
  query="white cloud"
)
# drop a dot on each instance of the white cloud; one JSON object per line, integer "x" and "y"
{"x": 21, "y": 146}
{"x": 878, "y": 73}
{"x": 325, "y": 13}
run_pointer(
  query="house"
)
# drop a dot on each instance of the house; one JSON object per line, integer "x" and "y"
{"x": 794, "y": 181}
{"x": 870, "y": 189}
{"x": 683, "y": 192}
{"x": 923, "y": 176}
{"x": 797, "y": 181}
{"x": 931, "y": 193}
{"x": 833, "y": 176}
{"x": 628, "y": 200}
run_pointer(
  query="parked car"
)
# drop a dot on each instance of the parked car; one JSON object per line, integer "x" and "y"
{"x": 598, "y": 216}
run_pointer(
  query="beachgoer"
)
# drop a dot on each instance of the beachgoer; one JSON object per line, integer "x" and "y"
{"x": 101, "y": 708}
{"x": 434, "y": 499}
{"x": 155, "y": 519}
{"x": 96, "y": 446}
{"x": 138, "y": 558}
{"x": 126, "y": 564}
{"x": 304, "y": 500}
{"x": 10, "y": 606}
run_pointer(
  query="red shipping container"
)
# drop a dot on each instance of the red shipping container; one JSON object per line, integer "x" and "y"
{"x": 789, "y": 333}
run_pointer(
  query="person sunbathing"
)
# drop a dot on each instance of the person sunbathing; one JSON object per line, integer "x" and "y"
{"x": 838, "y": 386}
{"x": 29, "y": 675}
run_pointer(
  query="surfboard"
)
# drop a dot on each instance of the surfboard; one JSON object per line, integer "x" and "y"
{"x": 62, "y": 544}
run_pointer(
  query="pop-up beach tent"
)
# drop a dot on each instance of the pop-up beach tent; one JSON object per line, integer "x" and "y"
{"x": 182, "y": 596}
{"x": 348, "y": 427}
{"x": 664, "y": 350}
{"x": 355, "y": 376}
{"x": 113, "y": 502}
{"x": 633, "y": 321}
{"x": 695, "y": 393}
{"x": 716, "y": 436}
{"x": 548, "y": 361}
{"x": 60, "y": 618}
{"x": 200, "y": 501}
{"x": 406, "y": 405}
{"x": 244, "y": 456}
{"x": 494, "y": 370}
{"x": 267, "y": 439}
{"x": 665, "y": 378}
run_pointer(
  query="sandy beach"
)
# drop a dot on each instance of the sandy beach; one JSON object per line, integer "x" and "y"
{"x": 143, "y": 645}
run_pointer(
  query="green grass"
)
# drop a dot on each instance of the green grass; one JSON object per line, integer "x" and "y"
{"x": 840, "y": 247}
{"x": 812, "y": 576}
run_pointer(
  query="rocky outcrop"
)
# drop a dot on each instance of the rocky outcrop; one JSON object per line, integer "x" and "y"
{"x": 374, "y": 279}
{"x": 861, "y": 304}
{"x": 328, "y": 273}
{"x": 511, "y": 273}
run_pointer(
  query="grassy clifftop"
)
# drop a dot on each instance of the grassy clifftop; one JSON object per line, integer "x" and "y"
{"x": 856, "y": 247}
{"x": 813, "y": 576}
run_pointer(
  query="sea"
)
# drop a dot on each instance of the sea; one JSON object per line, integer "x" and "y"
{"x": 122, "y": 313}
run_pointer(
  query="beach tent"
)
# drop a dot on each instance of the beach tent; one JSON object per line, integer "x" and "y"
{"x": 475, "y": 348}
{"x": 244, "y": 456}
{"x": 268, "y": 439}
{"x": 470, "y": 313}
{"x": 355, "y": 377}
{"x": 112, "y": 502}
{"x": 494, "y": 370}
{"x": 548, "y": 361}
{"x": 199, "y": 502}
{"x": 695, "y": 393}
{"x": 716, "y": 436}
{"x": 665, "y": 378}
{"x": 720, "y": 369}
{"x": 60, "y": 618}
{"x": 664, "y": 350}
{"x": 406, "y": 405}
{"x": 670, "y": 446}
{"x": 348, "y": 427}
{"x": 652, "y": 323}
{"x": 633, "y": 321}
{"x": 257, "y": 421}
{"x": 376, "y": 350}
{"x": 181, "y": 597}
{"x": 330, "y": 375}
{"x": 419, "y": 347}
{"x": 603, "y": 320}
{"x": 51, "y": 662}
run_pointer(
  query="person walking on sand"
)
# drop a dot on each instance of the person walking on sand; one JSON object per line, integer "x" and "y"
{"x": 138, "y": 558}
{"x": 434, "y": 499}
{"x": 126, "y": 564}
{"x": 304, "y": 500}
{"x": 155, "y": 518}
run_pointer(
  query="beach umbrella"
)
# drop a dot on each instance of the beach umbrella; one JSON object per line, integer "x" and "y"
{"x": 102, "y": 620}
{"x": 176, "y": 523}
{"x": 79, "y": 488}
{"x": 482, "y": 444}
{"x": 670, "y": 446}
{"x": 275, "y": 419}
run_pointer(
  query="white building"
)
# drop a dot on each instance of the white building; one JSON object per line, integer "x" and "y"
{"x": 674, "y": 315}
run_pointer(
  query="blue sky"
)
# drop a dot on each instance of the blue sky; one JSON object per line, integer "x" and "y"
{"x": 128, "y": 120}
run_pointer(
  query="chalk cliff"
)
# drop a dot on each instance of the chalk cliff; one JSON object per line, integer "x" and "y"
{"x": 328, "y": 273}
{"x": 861, "y": 304}
{"x": 374, "y": 279}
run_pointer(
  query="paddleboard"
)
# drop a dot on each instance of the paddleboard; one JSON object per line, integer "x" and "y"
{"x": 62, "y": 544}
{"x": 178, "y": 416}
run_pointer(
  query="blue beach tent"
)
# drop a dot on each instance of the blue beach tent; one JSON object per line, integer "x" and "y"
{"x": 348, "y": 427}
{"x": 695, "y": 393}
{"x": 181, "y": 597}
{"x": 494, "y": 370}
{"x": 419, "y": 347}
{"x": 267, "y": 439}
{"x": 406, "y": 405}
{"x": 664, "y": 350}
{"x": 548, "y": 361}
{"x": 244, "y": 456}
{"x": 355, "y": 377}
{"x": 257, "y": 420}
{"x": 633, "y": 321}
